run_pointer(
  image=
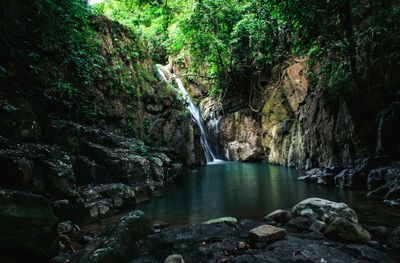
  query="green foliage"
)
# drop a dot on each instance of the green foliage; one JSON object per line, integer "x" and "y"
{"x": 130, "y": 127}
{"x": 236, "y": 42}
{"x": 139, "y": 149}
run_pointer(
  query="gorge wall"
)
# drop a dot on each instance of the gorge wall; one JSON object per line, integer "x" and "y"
{"x": 86, "y": 123}
{"x": 301, "y": 125}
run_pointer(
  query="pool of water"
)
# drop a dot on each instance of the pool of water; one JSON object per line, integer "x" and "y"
{"x": 252, "y": 190}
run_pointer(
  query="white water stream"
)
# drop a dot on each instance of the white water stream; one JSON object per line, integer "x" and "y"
{"x": 209, "y": 153}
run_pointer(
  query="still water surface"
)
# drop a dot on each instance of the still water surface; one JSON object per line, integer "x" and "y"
{"x": 252, "y": 190}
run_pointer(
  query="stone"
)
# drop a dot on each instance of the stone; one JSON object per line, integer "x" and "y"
{"x": 266, "y": 233}
{"x": 300, "y": 223}
{"x": 308, "y": 212}
{"x": 317, "y": 226}
{"x": 175, "y": 258}
{"x": 325, "y": 207}
{"x": 394, "y": 238}
{"x": 356, "y": 176}
{"x": 116, "y": 242}
{"x": 347, "y": 231}
{"x": 242, "y": 151}
{"x": 65, "y": 227}
{"x": 279, "y": 216}
{"x": 241, "y": 245}
{"x": 229, "y": 220}
{"x": 103, "y": 199}
{"x": 28, "y": 224}
{"x": 221, "y": 243}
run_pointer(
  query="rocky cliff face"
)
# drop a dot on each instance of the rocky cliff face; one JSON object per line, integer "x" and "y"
{"x": 89, "y": 144}
{"x": 301, "y": 130}
{"x": 298, "y": 125}
{"x": 234, "y": 130}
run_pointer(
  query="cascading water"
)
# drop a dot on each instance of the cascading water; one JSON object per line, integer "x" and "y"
{"x": 211, "y": 156}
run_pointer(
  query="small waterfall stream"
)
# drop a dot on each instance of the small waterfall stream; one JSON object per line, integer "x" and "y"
{"x": 209, "y": 153}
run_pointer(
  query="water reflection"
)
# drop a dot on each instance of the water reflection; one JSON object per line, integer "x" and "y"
{"x": 247, "y": 190}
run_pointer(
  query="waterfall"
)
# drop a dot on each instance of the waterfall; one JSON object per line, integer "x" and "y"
{"x": 195, "y": 113}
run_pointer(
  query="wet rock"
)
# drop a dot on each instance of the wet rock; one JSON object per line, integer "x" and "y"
{"x": 356, "y": 177}
{"x": 345, "y": 230}
{"x": 301, "y": 223}
{"x": 222, "y": 243}
{"x": 236, "y": 131}
{"x": 175, "y": 258}
{"x": 229, "y": 220}
{"x": 326, "y": 210}
{"x": 279, "y": 216}
{"x": 386, "y": 182}
{"x": 317, "y": 226}
{"x": 102, "y": 200}
{"x": 304, "y": 249}
{"x": 199, "y": 243}
{"x": 266, "y": 233}
{"x": 394, "y": 238}
{"x": 243, "y": 151}
{"x": 28, "y": 224}
{"x": 117, "y": 242}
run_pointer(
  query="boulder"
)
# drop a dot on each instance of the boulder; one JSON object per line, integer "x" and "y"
{"x": 344, "y": 230}
{"x": 174, "y": 258}
{"x": 325, "y": 210}
{"x": 318, "y": 226}
{"x": 101, "y": 200}
{"x": 116, "y": 244}
{"x": 27, "y": 223}
{"x": 356, "y": 176}
{"x": 243, "y": 151}
{"x": 279, "y": 216}
{"x": 229, "y": 220}
{"x": 300, "y": 223}
{"x": 266, "y": 233}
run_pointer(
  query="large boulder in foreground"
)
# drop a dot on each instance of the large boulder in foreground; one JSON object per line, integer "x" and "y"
{"x": 338, "y": 219}
{"x": 27, "y": 224}
{"x": 325, "y": 210}
{"x": 117, "y": 242}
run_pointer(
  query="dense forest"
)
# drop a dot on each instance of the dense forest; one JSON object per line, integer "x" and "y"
{"x": 205, "y": 114}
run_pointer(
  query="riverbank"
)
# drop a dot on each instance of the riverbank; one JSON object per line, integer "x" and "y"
{"x": 315, "y": 230}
